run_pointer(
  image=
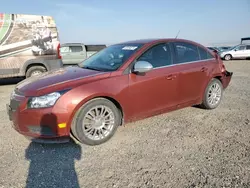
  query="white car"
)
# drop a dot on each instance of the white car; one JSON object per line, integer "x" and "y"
{"x": 241, "y": 51}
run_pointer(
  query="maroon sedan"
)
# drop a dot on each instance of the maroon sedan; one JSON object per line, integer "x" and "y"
{"x": 121, "y": 83}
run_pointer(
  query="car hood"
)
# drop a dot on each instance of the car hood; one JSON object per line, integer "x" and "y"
{"x": 56, "y": 80}
{"x": 225, "y": 51}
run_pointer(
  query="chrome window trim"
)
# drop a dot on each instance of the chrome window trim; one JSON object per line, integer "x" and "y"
{"x": 184, "y": 63}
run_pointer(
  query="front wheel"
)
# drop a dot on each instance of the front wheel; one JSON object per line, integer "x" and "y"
{"x": 228, "y": 57}
{"x": 96, "y": 122}
{"x": 213, "y": 94}
{"x": 35, "y": 71}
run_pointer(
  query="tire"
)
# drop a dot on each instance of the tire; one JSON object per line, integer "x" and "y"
{"x": 228, "y": 57}
{"x": 79, "y": 129}
{"x": 207, "y": 102}
{"x": 35, "y": 69}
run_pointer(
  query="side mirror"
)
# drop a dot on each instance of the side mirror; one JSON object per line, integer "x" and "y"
{"x": 142, "y": 67}
{"x": 235, "y": 50}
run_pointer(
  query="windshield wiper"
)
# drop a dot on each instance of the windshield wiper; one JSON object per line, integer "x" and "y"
{"x": 91, "y": 68}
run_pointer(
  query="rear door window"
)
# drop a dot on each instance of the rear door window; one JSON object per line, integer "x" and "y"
{"x": 204, "y": 54}
{"x": 186, "y": 52}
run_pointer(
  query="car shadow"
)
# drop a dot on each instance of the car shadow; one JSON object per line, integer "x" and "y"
{"x": 197, "y": 106}
{"x": 10, "y": 81}
{"x": 52, "y": 165}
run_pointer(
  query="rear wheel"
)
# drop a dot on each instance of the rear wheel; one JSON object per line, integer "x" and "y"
{"x": 35, "y": 70}
{"x": 213, "y": 94}
{"x": 228, "y": 57}
{"x": 96, "y": 122}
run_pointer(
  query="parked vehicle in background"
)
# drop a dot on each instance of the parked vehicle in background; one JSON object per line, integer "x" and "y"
{"x": 28, "y": 45}
{"x": 224, "y": 48}
{"x": 121, "y": 83}
{"x": 241, "y": 51}
{"x": 74, "y": 53}
{"x": 214, "y": 49}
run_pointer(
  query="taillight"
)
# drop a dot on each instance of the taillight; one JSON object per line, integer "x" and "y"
{"x": 58, "y": 51}
{"x": 220, "y": 62}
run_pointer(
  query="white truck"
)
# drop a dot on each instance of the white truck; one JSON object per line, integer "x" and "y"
{"x": 74, "y": 53}
{"x": 29, "y": 45}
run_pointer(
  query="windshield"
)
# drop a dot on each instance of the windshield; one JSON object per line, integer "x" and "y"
{"x": 110, "y": 58}
{"x": 234, "y": 47}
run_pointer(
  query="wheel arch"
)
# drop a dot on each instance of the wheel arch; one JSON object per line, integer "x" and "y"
{"x": 88, "y": 99}
{"x": 35, "y": 64}
{"x": 228, "y": 54}
{"x": 110, "y": 98}
{"x": 115, "y": 102}
{"x": 31, "y": 63}
{"x": 218, "y": 77}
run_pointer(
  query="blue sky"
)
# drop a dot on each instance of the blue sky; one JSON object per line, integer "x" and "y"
{"x": 110, "y": 21}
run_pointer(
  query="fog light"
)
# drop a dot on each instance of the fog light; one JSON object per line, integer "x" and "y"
{"x": 62, "y": 125}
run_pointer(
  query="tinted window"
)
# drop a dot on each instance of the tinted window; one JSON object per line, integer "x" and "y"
{"x": 248, "y": 47}
{"x": 209, "y": 56}
{"x": 158, "y": 55}
{"x": 204, "y": 54}
{"x": 241, "y": 48}
{"x": 76, "y": 48}
{"x": 186, "y": 52}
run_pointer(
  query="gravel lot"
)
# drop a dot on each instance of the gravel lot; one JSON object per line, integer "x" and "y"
{"x": 191, "y": 147}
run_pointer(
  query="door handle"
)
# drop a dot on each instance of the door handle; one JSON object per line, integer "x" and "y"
{"x": 203, "y": 69}
{"x": 170, "y": 77}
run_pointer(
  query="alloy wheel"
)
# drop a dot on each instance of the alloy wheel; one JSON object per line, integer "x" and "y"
{"x": 227, "y": 57}
{"x": 98, "y": 122}
{"x": 214, "y": 94}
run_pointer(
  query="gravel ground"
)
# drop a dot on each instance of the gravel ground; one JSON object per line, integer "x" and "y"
{"x": 191, "y": 147}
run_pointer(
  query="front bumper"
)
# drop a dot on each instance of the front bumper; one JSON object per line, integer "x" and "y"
{"x": 38, "y": 125}
{"x": 221, "y": 56}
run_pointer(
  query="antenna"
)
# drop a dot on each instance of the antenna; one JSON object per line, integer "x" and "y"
{"x": 177, "y": 34}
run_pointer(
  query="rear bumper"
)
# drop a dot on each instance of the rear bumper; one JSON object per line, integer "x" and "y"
{"x": 226, "y": 79}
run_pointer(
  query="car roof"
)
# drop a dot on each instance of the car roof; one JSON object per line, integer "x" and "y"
{"x": 155, "y": 40}
{"x": 76, "y": 43}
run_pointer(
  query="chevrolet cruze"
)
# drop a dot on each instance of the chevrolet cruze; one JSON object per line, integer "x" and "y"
{"x": 121, "y": 83}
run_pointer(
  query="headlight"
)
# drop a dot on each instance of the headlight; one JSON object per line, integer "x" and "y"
{"x": 44, "y": 101}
